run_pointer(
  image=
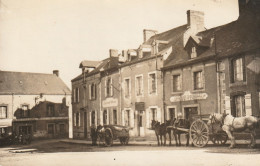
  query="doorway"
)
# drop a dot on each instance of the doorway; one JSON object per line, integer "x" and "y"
{"x": 139, "y": 122}
{"x": 51, "y": 130}
{"x": 190, "y": 113}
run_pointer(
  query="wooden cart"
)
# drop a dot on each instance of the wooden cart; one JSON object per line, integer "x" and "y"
{"x": 108, "y": 133}
{"x": 200, "y": 132}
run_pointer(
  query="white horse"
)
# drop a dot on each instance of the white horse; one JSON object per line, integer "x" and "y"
{"x": 232, "y": 124}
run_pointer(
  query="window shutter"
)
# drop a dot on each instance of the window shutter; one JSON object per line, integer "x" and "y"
{"x": 123, "y": 117}
{"x": 172, "y": 88}
{"x": 148, "y": 121}
{"x": 108, "y": 116}
{"x": 248, "y": 104}
{"x": 77, "y": 94}
{"x": 74, "y": 95}
{"x": 111, "y": 87}
{"x": 158, "y": 112}
{"x": 105, "y": 87}
{"x": 227, "y": 105}
{"x": 96, "y": 117}
{"x": 89, "y": 91}
{"x": 244, "y": 69}
{"x": 90, "y": 118}
{"x": 95, "y": 91}
{"x": 131, "y": 118}
{"x": 101, "y": 118}
{"x": 74, "y": 119}
{"x": 79, "y": 118}
{"x": 232, "y": 76}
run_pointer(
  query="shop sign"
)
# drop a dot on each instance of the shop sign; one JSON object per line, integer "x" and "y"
{"x": 139, "y": 106}
{"x": 188, "y": 96}
{"x": 110, "y": 102}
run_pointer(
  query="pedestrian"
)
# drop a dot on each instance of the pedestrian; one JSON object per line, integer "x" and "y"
{"x": 93, "y": 135}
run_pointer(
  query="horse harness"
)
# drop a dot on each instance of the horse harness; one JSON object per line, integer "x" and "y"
{"x": 222, "y": 121}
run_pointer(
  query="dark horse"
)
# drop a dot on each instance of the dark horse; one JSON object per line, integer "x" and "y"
{"x": 161, "y": 130}
{"x": 181, "y": 123}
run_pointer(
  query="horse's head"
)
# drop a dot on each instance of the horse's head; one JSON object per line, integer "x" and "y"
{"x": 100, "y": 129}
{"x": 170, "y": 122}
{"x": 217, "y": 118}
{"x": 154, "y": 124}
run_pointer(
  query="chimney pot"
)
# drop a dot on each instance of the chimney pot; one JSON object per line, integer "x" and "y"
{"x": 56, "y": 72}
{"x": 195, "y": 20}
{"x": 113, "y": 53}
{"x": 148, "y": 33}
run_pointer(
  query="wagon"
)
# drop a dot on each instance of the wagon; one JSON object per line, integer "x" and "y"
{"x": 201, "y": 132}
{"x": 108, "y": 133}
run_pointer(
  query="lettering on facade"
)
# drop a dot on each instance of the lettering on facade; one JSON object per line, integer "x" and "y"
{"x": 110, "y": 102}
{"x": 188, "y": 96}
{"x": 139, "y": 106}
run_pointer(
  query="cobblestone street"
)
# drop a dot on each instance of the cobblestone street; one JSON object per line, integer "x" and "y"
{"x": 59, "y": 152}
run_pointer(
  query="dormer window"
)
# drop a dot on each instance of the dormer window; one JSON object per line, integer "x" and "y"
{"x": 193, "y": 53}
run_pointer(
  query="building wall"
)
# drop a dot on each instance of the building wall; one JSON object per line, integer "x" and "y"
{"x": 204, "y": 99}
{"x": 14, "y": 102}
{"x": 250, "y": 87}
{"x": 85, "y": 105}
{"x": 150, "y": 100}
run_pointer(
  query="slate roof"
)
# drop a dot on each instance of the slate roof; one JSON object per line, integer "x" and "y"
{"x": 89, "y": 64}
{"x": 106, "y": 64}
{"x": 31, "y": 83}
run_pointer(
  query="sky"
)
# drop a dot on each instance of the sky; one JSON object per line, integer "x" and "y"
{"x": 45, "y": 35}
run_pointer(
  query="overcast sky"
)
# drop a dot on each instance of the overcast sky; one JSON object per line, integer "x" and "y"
{"x": 43, "y": 35}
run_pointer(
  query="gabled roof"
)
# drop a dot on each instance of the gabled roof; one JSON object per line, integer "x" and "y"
{"x": 90, "y": 64}
{"x": 31, "y": 83}
{"x": 106, "y": 64}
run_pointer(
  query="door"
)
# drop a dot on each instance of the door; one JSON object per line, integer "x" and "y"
{"x": 190, "y": 113}
{"x": 51, "y": 130}
{"x": 139, "y": 122}
{"x": 85, "y": 124}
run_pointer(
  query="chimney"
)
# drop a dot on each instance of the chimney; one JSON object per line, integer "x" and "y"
{"x": 148, "y": 33}
{"x": 113, "y": 53}
{"x": 56, "y": 72}
{"x": 195, "y": 20}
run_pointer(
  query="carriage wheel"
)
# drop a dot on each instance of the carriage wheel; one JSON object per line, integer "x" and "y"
{"x": 108, "y": 137}
{"x": 199, "y": 133}
{"x": 219, "y": 138}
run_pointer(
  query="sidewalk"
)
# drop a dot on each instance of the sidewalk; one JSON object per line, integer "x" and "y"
{"x": 146, "y": 142}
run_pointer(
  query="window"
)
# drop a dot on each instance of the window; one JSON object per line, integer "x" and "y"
{"x": 171, "y": 113}
{"x": 198, "y": 81}
{"x": 50, "y": 110}
{"x": 176, "y": 82}
{"x": 62, "y": 128}
{"x": 105, "y": 117}
{"x": 127, "y": 118}
{"x": 76, "y": 95}
{"x": 153, "y": 114}
{"x": 114, "y": 116}
{"x": 152, "y": 83}
{"x": 127, "y": 88}
{"x": 93, "y": 118}
{"x": 108, "y": 87}
{"x": 25, "y": 110}
{"x": 77, "y": 119}
{"x": 92, "y": 91}
{"x": 239, "y": 106}
{"x": 3, "y": 112}
{"x": 193, "y": 53}
{"x": 50, "y": 128}
{"x": 139, "y": 85}
{"x": 238, "y": 70}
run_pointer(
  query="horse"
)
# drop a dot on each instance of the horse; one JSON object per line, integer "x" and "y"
{"x": 232, "y": 124}
{"x": 182, "y": 123}
{"x": 160, "y": 131}
{"x": 168, "y": 130}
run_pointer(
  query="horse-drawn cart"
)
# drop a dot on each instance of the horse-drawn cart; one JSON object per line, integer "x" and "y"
{"x": 108, "y": 133}
{"x": 201, "y": 132}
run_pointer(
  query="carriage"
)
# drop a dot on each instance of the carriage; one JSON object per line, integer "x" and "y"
{"x": 108, "y": 133}
{"x": 201, "y": 132}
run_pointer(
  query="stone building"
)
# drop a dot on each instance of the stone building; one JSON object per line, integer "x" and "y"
{"x": 21, "y": 91}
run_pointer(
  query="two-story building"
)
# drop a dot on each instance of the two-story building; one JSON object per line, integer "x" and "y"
{"x": 24, "y": 91}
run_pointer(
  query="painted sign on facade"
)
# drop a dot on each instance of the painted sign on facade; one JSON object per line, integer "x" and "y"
{"x": 187, "y": 96}
{"x": 110, "y": 102}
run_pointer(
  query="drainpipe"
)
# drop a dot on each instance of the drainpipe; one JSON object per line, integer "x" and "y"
{"x": 120, "y": 96}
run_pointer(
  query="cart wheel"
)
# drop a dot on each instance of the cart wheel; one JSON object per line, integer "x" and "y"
{"x": 108, "y": 137}
{"x": 199, "y": 133}
{"x": 219, "y": 138}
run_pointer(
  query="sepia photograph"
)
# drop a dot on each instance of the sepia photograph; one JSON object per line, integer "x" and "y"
{"x": 129, "y": 82}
